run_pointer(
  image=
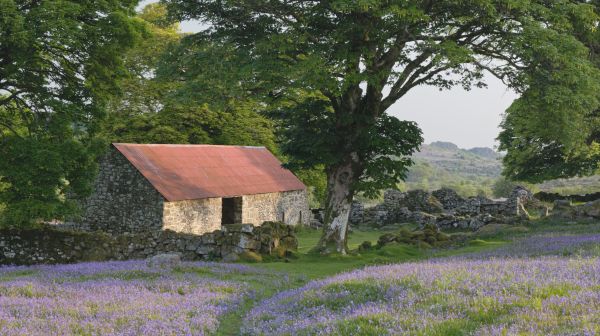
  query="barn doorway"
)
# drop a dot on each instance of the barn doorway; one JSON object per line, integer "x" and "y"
{"x": 231, "y": 210}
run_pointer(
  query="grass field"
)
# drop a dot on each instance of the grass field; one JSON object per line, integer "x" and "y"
{"x": 493, "y": 283}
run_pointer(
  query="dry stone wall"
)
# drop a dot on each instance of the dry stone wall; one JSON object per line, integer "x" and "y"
{"x": 448, "y": 198}
{"x": 413, "y": 200}
{"x": 122, "y": 200}
{"x": 563, "y": 209}
{"x": 551, "y": 197}
{"x": 444, "y": 208}
{"x": 49, "y": 245}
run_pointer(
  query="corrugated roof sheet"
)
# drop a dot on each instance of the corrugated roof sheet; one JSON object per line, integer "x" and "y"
{"x": 184, "y": 172}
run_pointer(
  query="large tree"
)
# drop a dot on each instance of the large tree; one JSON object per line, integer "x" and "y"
{"x": 553, "y": 130}
{"x": 58, "y": 64}
{"x": 155, "y": 107}
{"x": 343, "y": 63}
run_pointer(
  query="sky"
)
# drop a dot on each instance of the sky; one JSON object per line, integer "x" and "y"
{"x": 466, "y": 118}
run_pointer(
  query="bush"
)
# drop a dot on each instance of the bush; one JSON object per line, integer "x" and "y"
{"x": 365, "y": 246}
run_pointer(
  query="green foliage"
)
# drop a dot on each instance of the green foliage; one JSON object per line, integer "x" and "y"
{"x": 139, "y": 92}
{"x": 503, "y": 187}
{"x": 316, "y": 179}
{"x": 59, "y": 61}
{"x": 383, "y": 148}
{"x": 331, "y": 69}
{"x": 330, "y": 62}
{"x": 155, "y": 107}
{"x": 40, "y": 174}
{"x": 553, "y": 129}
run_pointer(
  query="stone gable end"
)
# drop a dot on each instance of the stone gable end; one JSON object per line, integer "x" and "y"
{"x": 122, "y": 200}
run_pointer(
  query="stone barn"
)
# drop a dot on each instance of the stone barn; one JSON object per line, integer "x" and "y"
{"x": 191, "y": 189}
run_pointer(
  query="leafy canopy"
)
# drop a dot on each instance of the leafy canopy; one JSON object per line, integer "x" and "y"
{"x": 553, "y": 129}
{"x": 155, "y": 107}
{"x": 58, "y": 65}
{"x": 332, "y": 68}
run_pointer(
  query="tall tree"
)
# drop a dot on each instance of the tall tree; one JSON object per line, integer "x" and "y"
{"x": 154, "y": 106}
{"x": 58, "y": 65}
{"x": 553, "y": 130}
{"x": 345, "y": 62}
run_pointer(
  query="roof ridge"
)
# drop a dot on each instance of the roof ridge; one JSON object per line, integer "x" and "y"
{"x": 183, "y": 145}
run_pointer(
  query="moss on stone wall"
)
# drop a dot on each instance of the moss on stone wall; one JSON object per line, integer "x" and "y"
{"x": 51, "y": 245}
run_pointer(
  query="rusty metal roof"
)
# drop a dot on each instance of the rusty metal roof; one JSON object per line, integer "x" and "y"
{"x": 184, "y": 172}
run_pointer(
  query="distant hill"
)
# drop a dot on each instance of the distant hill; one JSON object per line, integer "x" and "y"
{"x": 485, "y": 152}
{"x": 444, "y": 145}
{"x": 476, "y": 162}
{"x": 444, "y": 164}
{"x": 474, "y": 171}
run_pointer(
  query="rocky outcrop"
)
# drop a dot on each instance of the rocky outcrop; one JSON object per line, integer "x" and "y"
{"x": 591, "y": 209}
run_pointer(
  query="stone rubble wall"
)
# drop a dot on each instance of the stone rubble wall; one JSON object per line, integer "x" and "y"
{"x": 122, "y": 201}
{"x": 413, "y": 200}
{"x": 290, "y": 207}
{"x": 551, "y": 197}
{"x": 448, "y": 198}
{"x": 49, "y": 245}
{"x": 443, "y": 207}
{"x": 193, "y": 216}
{"x": 563, "y": 209}
{"x": 357, "y": 212}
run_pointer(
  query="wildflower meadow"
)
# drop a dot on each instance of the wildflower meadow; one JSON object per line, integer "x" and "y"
{"x": 544, "y": 296}
{"x": 116, "y": 298}
{"x": 541, "y": 283}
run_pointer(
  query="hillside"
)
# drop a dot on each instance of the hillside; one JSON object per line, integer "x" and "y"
{"x": 444, "y": 164}
{"x": 474, "y": 171}
{"x": 475, "y": 162}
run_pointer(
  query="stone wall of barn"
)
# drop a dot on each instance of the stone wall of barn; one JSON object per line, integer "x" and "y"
{"x": 290, "y": 207}
{"x": 193, "y": 216}
{"x": 122, "y": 200}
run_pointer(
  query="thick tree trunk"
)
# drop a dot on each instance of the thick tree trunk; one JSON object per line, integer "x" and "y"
{"x": 339, "y": 199}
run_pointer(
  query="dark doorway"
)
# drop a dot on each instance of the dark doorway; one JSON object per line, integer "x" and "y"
{"x": 231, "y": 210}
